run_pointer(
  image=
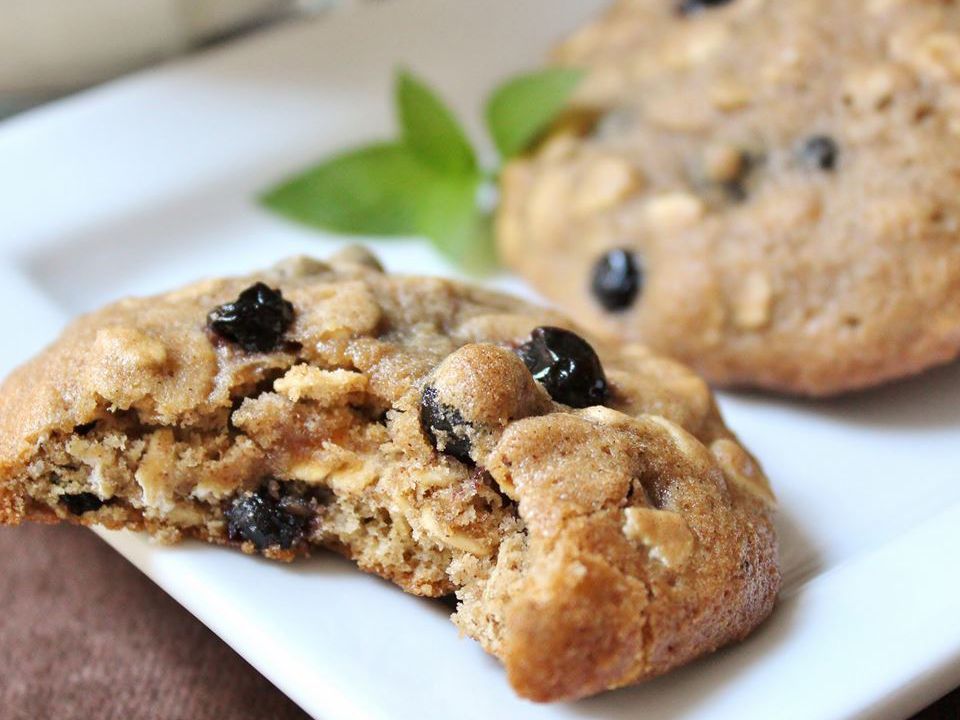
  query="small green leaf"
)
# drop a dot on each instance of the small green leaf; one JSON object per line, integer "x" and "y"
{"x": 453, "y": 222}
{"x": 522, "y": 108}
{"x": 374, "y": 190}
{"x": 424, "y": 184}
{"x": 430, "y": 129}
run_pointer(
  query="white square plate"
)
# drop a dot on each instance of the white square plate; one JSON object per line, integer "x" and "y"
{"x": 149, "y": 182}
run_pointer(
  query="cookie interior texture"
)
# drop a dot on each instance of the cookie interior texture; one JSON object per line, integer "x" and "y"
{"x": 588, "y": 549}
{"x": 784, "y": 174}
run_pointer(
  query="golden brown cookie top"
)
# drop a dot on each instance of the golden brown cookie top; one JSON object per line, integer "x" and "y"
{"x": 157, "y": 357}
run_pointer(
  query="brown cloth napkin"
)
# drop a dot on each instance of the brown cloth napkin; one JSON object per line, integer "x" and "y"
{"x": 85, "y": 636}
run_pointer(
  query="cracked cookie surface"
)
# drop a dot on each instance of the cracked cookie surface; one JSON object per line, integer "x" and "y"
{"x": 763, "y": 189}
{"x": 398, "y": 421}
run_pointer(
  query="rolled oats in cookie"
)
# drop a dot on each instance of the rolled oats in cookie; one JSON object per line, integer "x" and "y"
{"x": 792, "y": 221}
{"x": 584, "y": 501}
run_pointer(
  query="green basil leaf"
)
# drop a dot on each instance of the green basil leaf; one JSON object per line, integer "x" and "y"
{"x": 425, "y": 184}
{"x": 373, "y": 190}
{"x": 521, "y": 109}
{"x": 457, "y": 227}
{"x": 430, "y": 129}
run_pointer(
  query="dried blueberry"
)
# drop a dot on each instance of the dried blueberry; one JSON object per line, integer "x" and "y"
{"x": 262, "y": 520}
{"x": 566, "y": 365}
{"x": 735, "y": 191}
{"x": 820, "y": 152}
{"x": 691, "y": 6}
{"x": 617, "y": 280}
{"x": 80, "y": 503}
{"x": 437, "y": 417}
{"x": 255, "y": 321}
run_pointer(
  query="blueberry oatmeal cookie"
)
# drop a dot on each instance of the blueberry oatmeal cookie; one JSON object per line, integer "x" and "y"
{"x": 596, "y": 520}
{"x": 764, "y": 189}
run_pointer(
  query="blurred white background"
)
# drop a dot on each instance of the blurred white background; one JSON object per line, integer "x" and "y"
{"x": 49, "y": 48}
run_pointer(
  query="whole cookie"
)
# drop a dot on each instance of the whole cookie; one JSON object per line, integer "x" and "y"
{"x": 597, "y": 521}
{"x": 766, "y": 190}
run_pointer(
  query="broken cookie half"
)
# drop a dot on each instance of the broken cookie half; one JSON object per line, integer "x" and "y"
{"x": 595, "y": 518}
